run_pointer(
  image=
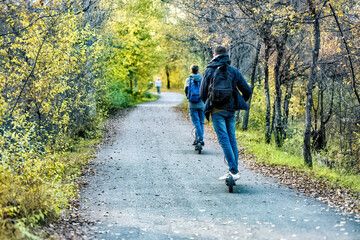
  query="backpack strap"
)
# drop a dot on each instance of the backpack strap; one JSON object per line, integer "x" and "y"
{"x": 189, "y": 86}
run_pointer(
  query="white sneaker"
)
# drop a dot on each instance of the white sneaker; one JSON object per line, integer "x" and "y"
{"x": 236, "y": 176}
{"x": 226, "y": 176}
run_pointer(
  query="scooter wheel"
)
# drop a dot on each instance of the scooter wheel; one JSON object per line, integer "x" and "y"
{"x": 230, "y": 183}
{"x": 199, "y": 148}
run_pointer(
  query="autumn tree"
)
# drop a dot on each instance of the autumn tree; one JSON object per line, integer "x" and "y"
{"x": 307, "y": 57}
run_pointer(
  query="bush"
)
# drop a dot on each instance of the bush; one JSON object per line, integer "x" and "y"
{"x": 36, "y": 180}
{"x": 33, "y": 186}
{"x": 258, "y": 110}
{"x": 147, "y": 94}
{"x": 294, "y": 141}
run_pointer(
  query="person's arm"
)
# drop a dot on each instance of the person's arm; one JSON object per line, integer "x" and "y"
{"x": 186, "y": 87}
{"x": 243, "y": 86}
{"x": 205, "y": 84}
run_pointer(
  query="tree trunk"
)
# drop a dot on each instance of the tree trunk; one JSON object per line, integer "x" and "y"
{"x": 267, "y": 92}
{"x": 234, "y": 56}
{"x": 320, "y": 135}
{"x": 252, "y": 84}
{"x": 278, "y": 124}
{"x": 340, "y": 122}
{"x": 289, "y": 91}
{"x": 208, "y": 53}
{"x": 309, "y": 89}
{"x": 167, "y": 76}
{"x": 273, "y": 118}
{"x": 130, "y": 85}
{"x": 237, "y": 117}
{"x": 315, "y": 110}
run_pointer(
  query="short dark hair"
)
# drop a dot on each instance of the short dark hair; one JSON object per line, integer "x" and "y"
{"x": 220, "y": 50}
{"x": 194, "y": 69}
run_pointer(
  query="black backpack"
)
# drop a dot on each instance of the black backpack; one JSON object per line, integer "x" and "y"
{"x": 220, "y": 88}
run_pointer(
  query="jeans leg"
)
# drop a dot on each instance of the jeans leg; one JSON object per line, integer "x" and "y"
{"x": 196, "y": 122}
{"x": 230, "y": 125}
{"x": 219, "y": 122}
{"x": 202, "y": 121}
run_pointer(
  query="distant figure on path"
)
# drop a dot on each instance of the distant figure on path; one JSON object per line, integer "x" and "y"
{"x": 158, "y": 85}
{"x": 220, "y": 92}
{"x": 196, "y": 105}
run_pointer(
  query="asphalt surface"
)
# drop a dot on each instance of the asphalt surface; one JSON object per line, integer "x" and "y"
{"x": 151, "y": 184}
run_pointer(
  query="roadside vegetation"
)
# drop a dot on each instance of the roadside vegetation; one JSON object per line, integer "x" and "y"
{"x": 325, "y": 165}
{"x": 271, "y": 155}
{"x": 64, "y": 67}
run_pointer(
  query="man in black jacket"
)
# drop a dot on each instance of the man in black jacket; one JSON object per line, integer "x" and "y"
{"x": 223, "y": 115}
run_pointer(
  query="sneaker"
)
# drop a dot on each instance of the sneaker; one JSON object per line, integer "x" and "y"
{"x": 236, "y": 176}
{"x": 202, "y": 143}
{"x": 195, "y": 142}
{"x": 226, "y": 176}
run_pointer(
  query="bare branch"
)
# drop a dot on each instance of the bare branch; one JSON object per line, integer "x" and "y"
{"x": 348, "y": 54}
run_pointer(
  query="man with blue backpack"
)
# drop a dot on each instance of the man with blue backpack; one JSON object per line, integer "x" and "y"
{"x": 196, "y": 105}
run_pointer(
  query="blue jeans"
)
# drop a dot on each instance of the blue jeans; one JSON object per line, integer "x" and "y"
{"x": 198, "y": 118}
{"x": 224, "y": 125}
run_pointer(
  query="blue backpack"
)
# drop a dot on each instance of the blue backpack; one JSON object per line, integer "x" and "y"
{"x": 194, "y": 91}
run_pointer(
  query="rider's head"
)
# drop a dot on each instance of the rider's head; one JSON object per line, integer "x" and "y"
{"x": 194, "y": 69}
{"x": 219, "y": 50}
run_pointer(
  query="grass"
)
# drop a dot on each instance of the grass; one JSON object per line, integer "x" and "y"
{"x": 253, "y": 142}
{"x": 82, "y": 150}
{"x": 343, "y": 179}
{"x": 147, "y": 98}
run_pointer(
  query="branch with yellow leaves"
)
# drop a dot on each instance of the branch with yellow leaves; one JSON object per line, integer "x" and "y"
{"x": 31, "y": 71}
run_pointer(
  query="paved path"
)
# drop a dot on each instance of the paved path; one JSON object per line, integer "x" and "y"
{"x": 151, "y": 184}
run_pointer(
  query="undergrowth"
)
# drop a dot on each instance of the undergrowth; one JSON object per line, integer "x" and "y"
{"x": 38, "y": 188}
{"x": 37, "y": 182}
{"x": 145, "y": 97}
{"x": 291, "y": 155}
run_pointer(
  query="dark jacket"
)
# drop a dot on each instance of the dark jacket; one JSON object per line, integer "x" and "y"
{"x": 238, "y": 101}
